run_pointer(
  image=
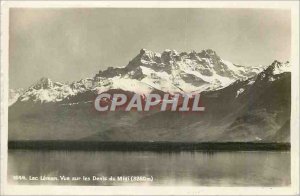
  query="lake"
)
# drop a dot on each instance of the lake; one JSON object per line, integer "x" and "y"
{"x": 236, "y": 168}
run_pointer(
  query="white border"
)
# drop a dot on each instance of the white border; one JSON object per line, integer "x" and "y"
{"x": 7, "y": 189}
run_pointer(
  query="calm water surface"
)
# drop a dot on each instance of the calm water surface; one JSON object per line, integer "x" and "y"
{"x": 180, "y": 168}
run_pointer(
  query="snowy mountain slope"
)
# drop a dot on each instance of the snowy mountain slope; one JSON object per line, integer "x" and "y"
{"x": 47, "y": 91}
{"x": 256, "y": 109}
{"x": 13, "y": 95}
{"x": 272, "y": 72}
{"x": 279, "y": 67}
{"x": 260, "y": 113}
{"x": 169, "y": 71}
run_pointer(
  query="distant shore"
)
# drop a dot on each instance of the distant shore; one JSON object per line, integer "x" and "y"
{"x": 146, "y": 146}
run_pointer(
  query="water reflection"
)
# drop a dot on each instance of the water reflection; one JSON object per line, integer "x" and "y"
{"x": 172, "y": 168}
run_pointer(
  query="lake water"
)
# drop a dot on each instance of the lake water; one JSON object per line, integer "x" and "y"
{"x": 121, "y": 168}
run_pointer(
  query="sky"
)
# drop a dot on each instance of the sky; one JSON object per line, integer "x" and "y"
{"x": 70, "y": 44}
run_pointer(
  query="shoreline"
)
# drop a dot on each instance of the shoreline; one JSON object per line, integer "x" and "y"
{"x": 146, "y": 146}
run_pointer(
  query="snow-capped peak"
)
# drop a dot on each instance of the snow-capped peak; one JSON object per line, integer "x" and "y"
{"x": 148, "y": 56}
{"x": 45, "y": 90}
{"x": 43, "y": 83}
{"x": 168, "y": 56}
{"x": 273, "y": 71}
{"x": 279, "y": 67}
{"x": 168, "y": 71}
{"x": 208, "y": 53}
{"x": 13, "y": 95}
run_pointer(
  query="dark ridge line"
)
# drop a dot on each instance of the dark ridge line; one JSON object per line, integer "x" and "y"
{"x": 146, "y": 146}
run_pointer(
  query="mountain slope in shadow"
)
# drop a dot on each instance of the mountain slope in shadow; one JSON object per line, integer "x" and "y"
{"x": 257, "y": 109}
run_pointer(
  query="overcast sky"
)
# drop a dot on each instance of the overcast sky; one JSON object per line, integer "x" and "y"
{"x": 70, "y": 44}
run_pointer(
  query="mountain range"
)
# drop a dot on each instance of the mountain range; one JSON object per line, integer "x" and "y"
{"x": 243, "y": 103}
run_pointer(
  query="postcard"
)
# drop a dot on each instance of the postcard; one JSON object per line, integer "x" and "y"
{"x": 150, "y": 98}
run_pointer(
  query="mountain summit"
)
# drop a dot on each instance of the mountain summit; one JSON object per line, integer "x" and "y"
{"x": 242, "y": 104}
{"x": 169, "y": 71}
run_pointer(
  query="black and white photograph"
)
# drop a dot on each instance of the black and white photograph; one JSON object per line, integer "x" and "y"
{"x": 152, "y": 96}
